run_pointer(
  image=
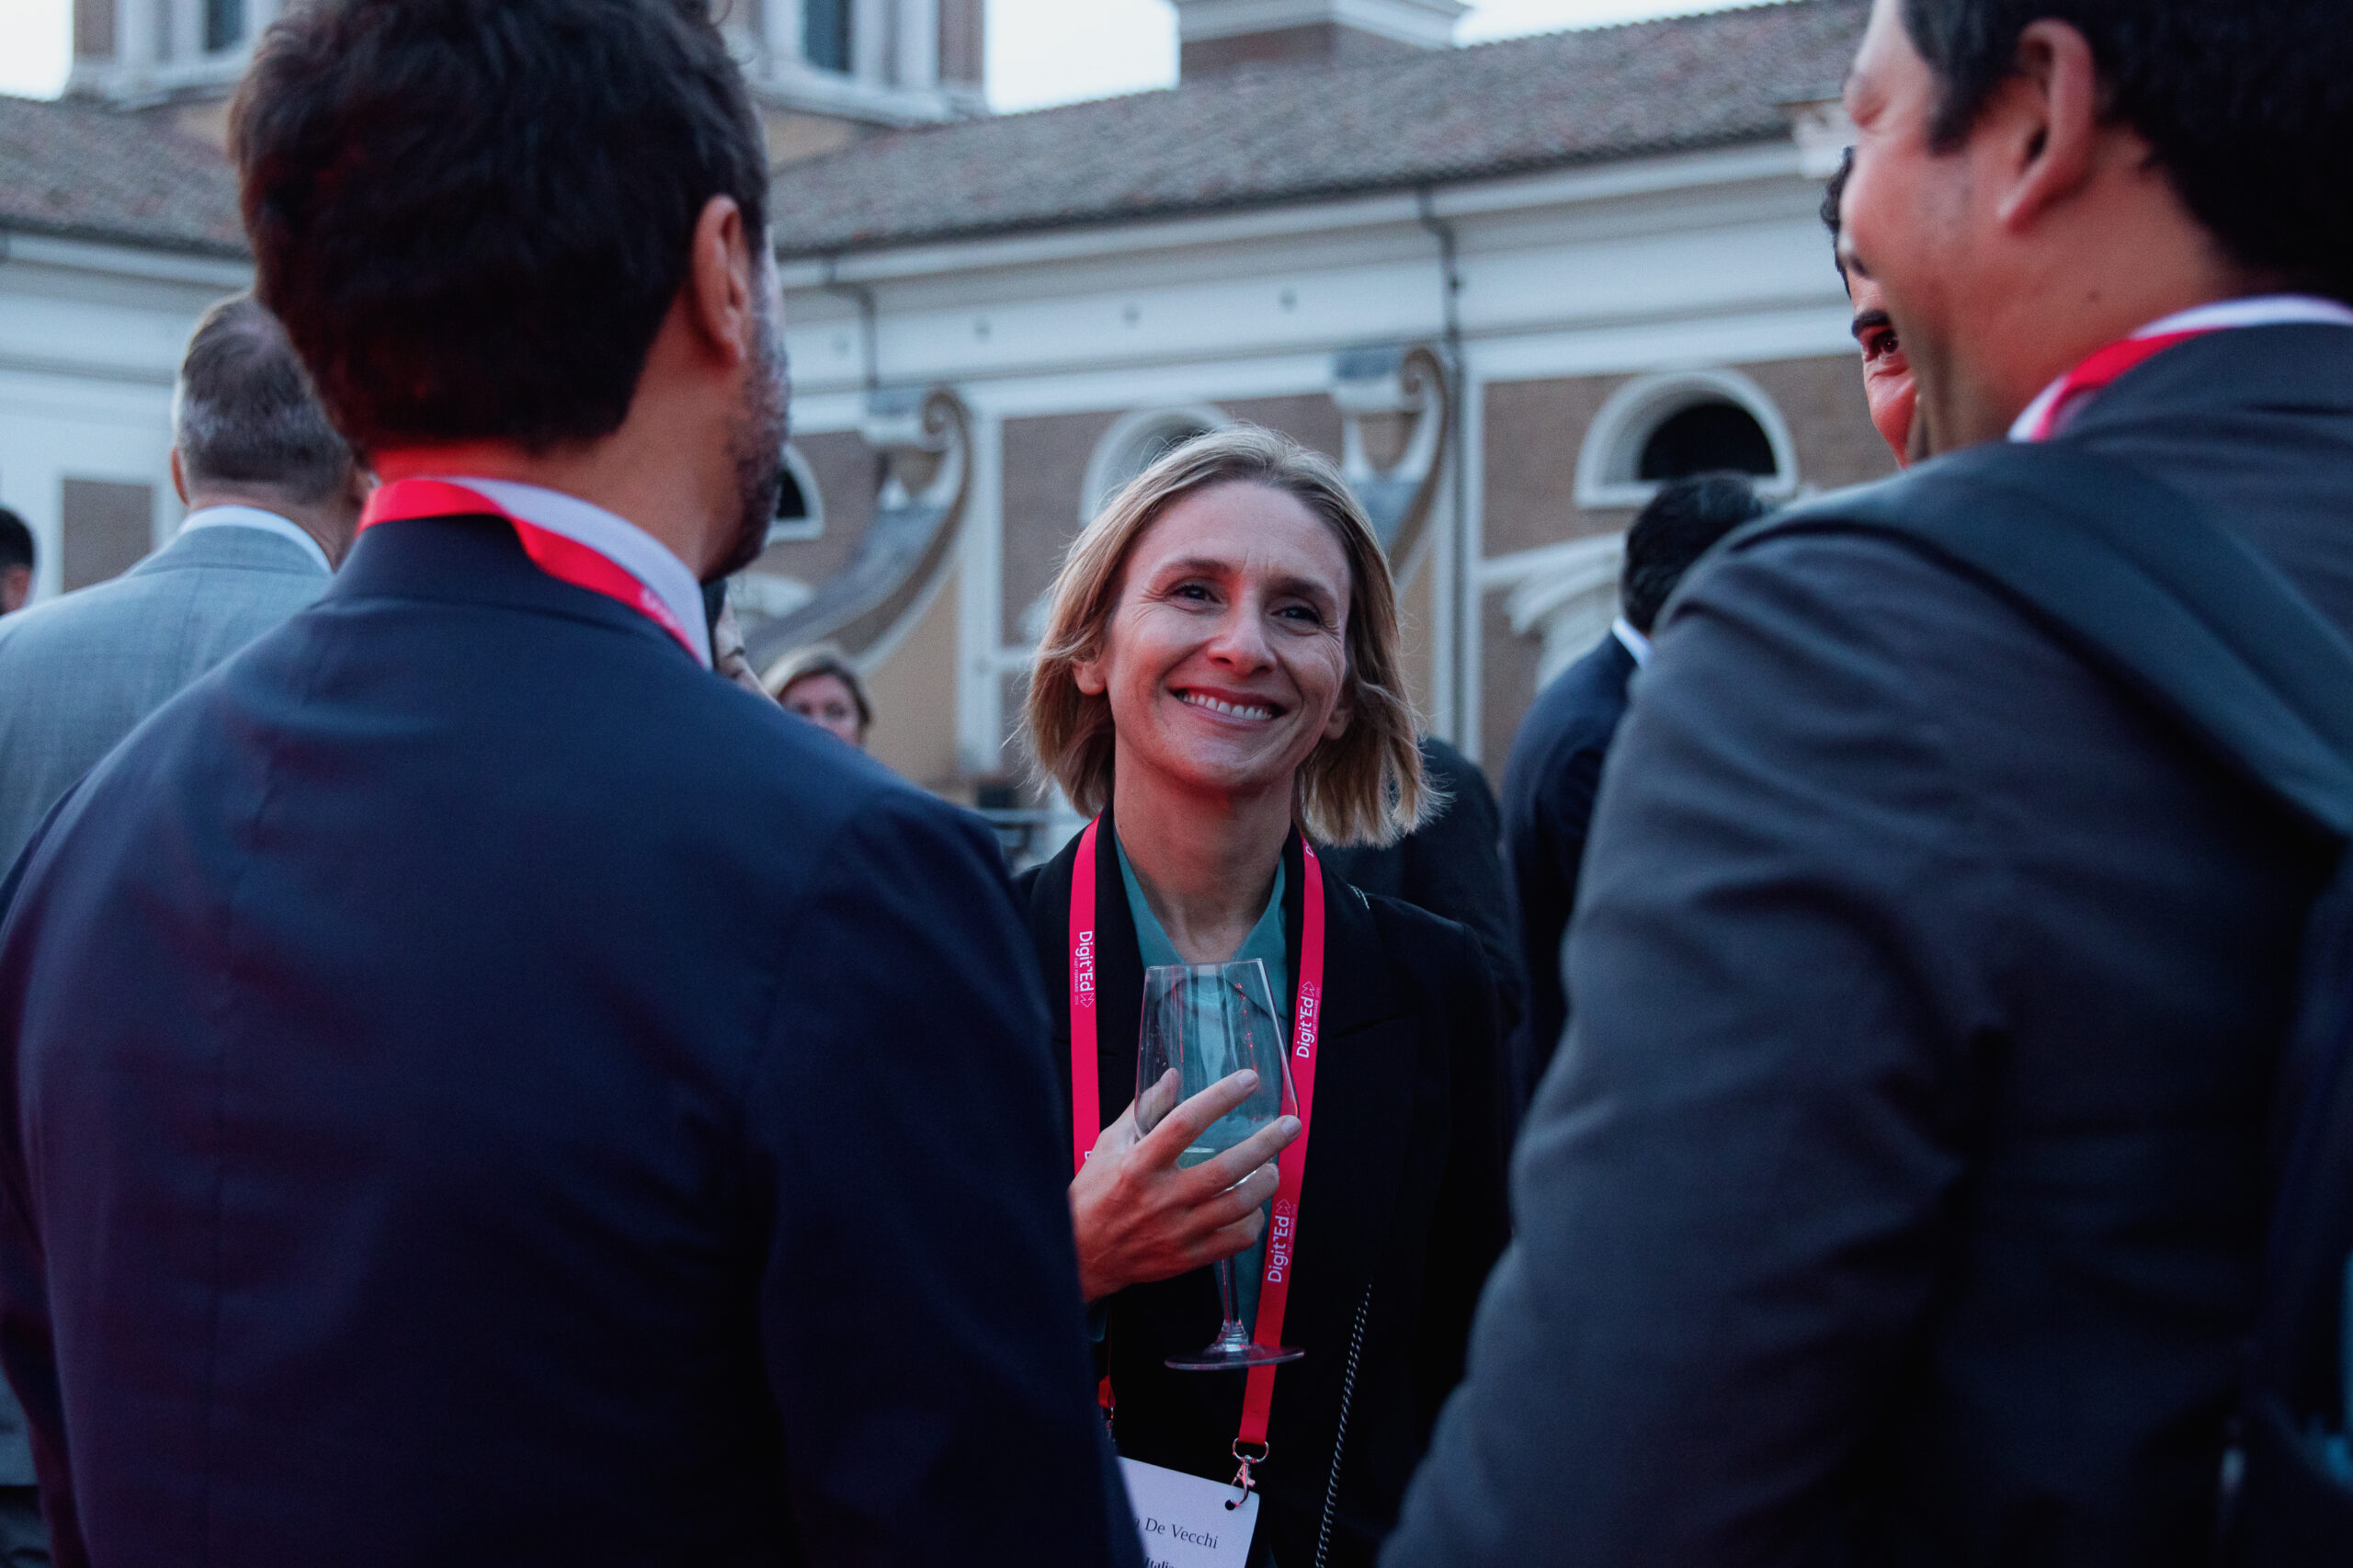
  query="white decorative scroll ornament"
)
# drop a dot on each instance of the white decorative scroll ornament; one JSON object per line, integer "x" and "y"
{"x": 1566, "y": 594}
{"x": 1406, "y": 391}
{"x": 925, "y": 437}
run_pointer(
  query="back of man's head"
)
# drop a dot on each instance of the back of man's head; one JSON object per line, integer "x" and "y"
{"x": 16, "y": 542}
{"x": 2248, "y": 105}
{"x": 474, "y": 215}
{"x": 244, "y": 415}
{"x": 1682, "y": 523}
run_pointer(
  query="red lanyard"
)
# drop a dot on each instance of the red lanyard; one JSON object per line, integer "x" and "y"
{"x": 2097, "y": 372}
{"x": 567, "y": 560}
{"x": 1290, "y": 1165}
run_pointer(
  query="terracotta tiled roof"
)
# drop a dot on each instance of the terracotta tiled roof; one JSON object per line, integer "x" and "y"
{"x": 1269, "y": 135}
{"x": 89, "y": 173}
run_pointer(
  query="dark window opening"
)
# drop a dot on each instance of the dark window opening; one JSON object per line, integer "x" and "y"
{"x": 1708, "y": 438}
{"x": 825, "y": 34}
{"x": 224, "y": 24}
{"x": 791, "y": 503}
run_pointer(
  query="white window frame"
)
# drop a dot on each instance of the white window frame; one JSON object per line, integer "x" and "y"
{"x": 1612, "y": 454}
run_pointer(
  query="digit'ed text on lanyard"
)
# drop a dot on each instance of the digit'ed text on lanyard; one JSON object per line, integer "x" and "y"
{"x": 1290, "y": 1165}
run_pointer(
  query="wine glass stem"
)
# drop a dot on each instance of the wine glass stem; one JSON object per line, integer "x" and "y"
{"x": 1231, "y": 1333}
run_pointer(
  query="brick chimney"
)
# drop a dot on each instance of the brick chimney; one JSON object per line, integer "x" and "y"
{"x": 1223, "y": 35}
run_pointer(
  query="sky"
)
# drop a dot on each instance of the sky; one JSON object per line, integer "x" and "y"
{"x": 1039, "y": 51}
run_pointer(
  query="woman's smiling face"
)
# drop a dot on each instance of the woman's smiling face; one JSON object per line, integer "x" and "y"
{"x": 1226, "y": 655}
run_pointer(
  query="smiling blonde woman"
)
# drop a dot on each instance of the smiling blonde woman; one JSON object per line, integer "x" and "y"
{"x": 1220, "y": 686}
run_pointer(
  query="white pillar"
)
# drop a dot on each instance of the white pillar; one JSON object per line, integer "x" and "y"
{"x": 918, "y": 52}
{"x": 869, "y": 41}
{"x": 980, "y": 611}
{"x": 186, "y": 31}
{"x": 780, "y": 27}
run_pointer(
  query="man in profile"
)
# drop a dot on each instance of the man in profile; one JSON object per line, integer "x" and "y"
{"x": 18, "y": 559}
{"x": 1888, "y": 388}
{"x": 273, "y": 498}
{"x": 1555, "y": 767}
{"x": 1900, "y": 1195}
{"x": 482, "y": 1089}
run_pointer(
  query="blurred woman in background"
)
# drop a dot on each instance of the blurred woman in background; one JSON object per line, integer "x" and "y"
{"x": 1220, "y": 682}
{"x": 818, "y": 684}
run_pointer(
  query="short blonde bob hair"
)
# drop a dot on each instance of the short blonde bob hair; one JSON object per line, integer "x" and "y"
{"x": 1364, "y": 788}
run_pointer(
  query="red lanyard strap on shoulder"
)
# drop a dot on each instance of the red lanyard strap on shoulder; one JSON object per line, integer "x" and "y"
{"x": 566, "y": 560}
{"x": 1291, "y": 1166}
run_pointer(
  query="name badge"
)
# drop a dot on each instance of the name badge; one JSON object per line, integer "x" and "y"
{"x": 1185, "y": 1521}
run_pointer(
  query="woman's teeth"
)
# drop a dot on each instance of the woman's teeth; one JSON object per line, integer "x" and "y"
{"x": 1231, "y": 710}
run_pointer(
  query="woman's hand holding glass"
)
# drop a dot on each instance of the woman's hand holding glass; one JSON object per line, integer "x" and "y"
{"x": 1140, "y": 1218}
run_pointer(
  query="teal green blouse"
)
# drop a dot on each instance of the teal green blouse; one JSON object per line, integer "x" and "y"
{"x": 1264, "y": 943}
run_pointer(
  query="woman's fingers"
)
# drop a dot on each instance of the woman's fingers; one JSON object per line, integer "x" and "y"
{"x": 1184, "y": 1126}
{"x": 1227, "y": 1239}
{"x": 1247, "y": 1195}
{"x": 1150, "y": 1108}
{"x": 1258, "y": 1149}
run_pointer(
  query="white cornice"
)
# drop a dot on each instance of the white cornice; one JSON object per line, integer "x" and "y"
{"x": 1429, "y": 23}
{"x": 156, "y": 266}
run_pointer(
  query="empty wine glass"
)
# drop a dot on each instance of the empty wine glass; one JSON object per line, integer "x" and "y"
{"x": 1202, "y": 1023}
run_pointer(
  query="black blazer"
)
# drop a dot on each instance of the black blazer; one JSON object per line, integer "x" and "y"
{"x": 1899, "y": 1197}
{"x": 479, "y": 1088}
{"x": 1451, "y": 866}
{"x": 1401, "y": 1214}
{"x": 1548, "y": 788}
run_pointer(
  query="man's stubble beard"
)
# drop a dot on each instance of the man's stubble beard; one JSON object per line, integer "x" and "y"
{"x": 763, "y": 423}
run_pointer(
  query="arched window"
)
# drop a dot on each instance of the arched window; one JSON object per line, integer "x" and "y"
{"x": 1136, "y": 443}
{"x": 1663, "y": 427}
{"x": 800, "y": 504}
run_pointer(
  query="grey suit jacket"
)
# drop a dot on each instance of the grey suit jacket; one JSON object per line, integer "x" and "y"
{"x": 1897, "y": 1196}
{"x": 79, "y": 673}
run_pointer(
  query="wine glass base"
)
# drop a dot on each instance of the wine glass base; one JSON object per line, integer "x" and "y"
{"x": 1234, "y": 1359}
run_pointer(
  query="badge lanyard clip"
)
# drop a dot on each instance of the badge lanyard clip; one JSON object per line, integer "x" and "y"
{"x": 1242, "y": 1477}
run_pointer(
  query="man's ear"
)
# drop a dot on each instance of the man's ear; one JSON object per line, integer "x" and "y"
{"x": 179, "y": 477}
{"x": 722, "y": 282}
{"x": 2045, "y": 120}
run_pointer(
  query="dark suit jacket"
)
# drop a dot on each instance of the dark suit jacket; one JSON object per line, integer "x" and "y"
{"x": 1401, "y": 1213}
{"x": 1899, "y": 1196}
{"x": 1548, "y": 788}
{"x": 479, "y": 1088}
{"x": 1452, "y": 866}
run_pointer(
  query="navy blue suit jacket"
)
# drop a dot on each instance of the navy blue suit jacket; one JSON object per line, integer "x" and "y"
{"x": 1899, "y": 1194}
{"x": 1548, "y": 788}
{"x": 481, "y": 1089}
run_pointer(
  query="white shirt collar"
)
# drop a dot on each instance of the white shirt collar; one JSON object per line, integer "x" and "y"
{"x": 1636, "y": 643}
{"x": 255, "y": 517}
{"x": 611, "y": 536}
{"x": 2223, "y": 315}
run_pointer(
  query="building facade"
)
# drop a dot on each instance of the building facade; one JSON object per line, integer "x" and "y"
{"x": 1511, "y": 287}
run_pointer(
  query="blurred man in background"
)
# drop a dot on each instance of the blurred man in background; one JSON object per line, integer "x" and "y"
{"x": 17, "y": 560}
{"x": 273, "y": 496}
{"x": 1556, "y": 760}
